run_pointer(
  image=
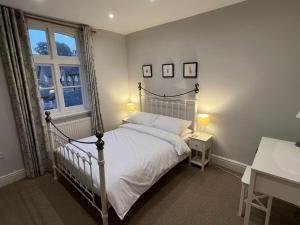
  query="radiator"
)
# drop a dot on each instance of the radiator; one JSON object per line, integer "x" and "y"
{"x": 76, "y": 129}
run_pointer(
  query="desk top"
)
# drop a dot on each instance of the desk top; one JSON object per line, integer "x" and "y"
{"x": 278, "y": 158}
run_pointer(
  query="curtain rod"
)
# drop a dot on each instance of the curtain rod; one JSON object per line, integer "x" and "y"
{"x": 49, "y": 20}
{"x": 54, "y": 21}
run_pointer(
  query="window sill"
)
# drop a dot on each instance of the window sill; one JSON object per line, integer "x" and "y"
{"x": 70, "y": 115}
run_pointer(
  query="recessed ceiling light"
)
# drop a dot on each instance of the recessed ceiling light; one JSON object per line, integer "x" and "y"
{"x": 111, "y": 15}
{"x": 152, "y": 1}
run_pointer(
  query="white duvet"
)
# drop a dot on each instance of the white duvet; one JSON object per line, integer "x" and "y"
{"x": 136, "y": 156}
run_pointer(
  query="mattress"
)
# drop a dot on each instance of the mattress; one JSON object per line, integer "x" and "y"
{"x": 136, "y": 156}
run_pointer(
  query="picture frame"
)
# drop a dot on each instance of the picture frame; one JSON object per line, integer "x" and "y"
{"x": 147, "y": 71}
{"x": 167, "y": 70}
{"x": 190, "y": 70}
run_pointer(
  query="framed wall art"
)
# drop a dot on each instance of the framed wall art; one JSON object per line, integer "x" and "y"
{"x": 190, "y": 70}
{"x": 168, "y": 70}
{"x": 147, "y": 71}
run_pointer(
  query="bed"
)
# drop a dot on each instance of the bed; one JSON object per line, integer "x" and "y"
{"x": 132, "y": 159}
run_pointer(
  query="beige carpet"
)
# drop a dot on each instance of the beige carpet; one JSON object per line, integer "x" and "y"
{"x": 185, "y": 196}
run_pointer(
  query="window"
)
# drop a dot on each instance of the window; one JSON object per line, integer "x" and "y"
{"x": 65, "y": 45}
{"x": 70, "y": 80}
{"x": 39, "y": 42}
{"x": 46, "y": 85}
{"x": 58, "y": 67}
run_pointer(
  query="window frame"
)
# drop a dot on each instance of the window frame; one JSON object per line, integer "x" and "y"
{"x": 56, "y": 61}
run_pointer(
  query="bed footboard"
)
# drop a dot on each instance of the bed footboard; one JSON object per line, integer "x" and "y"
{"x": 75, "y": 164}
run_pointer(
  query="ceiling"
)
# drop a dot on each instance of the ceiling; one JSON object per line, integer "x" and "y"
{"x": 129, "y": 15}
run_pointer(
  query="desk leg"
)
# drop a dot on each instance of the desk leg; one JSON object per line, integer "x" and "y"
{"x": 242, "y": 200}
{"x": 268, "y": 213}
{"x": 250, "y": 198}
{"x": 203, "y": 160}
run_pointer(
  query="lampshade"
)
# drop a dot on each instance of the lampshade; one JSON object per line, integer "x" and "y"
{"x": 130, "y": 107}
{"x": 203, "y": 119}
{"x": 298, "y": 115}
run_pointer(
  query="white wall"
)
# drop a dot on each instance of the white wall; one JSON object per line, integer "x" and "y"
{"x": 9, "y": 143}
{"x": 249, "y": 71}
{"x": 112, "y": 76}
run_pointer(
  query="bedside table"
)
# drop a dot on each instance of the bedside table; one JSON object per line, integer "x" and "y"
{"x": 201, "y": 142}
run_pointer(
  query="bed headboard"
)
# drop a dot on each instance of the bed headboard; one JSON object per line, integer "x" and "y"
{"x": 183, "y": 105}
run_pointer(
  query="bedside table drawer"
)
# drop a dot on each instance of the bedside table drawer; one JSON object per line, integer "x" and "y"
{"x": 197, "y": 145}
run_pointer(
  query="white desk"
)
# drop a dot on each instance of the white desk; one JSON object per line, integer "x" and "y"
{"x": 275, "y": 172}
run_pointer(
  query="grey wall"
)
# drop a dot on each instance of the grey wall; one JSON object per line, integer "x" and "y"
{"x": 249, "y": 74}
{"x": 249, "y": 70}
{"x": 9, "y": 146}
{"x": 112, "y": 76}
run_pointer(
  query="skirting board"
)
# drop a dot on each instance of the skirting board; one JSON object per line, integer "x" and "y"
{"x": 12, "y": 177}
{"x": 228, "y": 163}
{"x": 216, "y": 159}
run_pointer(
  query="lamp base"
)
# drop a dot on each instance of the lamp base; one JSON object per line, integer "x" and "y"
{"x": 298, "y": 144}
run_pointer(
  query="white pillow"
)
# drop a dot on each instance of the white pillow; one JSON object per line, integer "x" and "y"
{"x": 171, "y": 124}
{"x": 186, "y": 132}
{"x": 142, "y": 118}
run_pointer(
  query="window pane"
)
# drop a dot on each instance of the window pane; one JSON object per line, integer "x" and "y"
{"x": 65, "y": 45}
{"x": 69, "y": 75}
{"x": 44, "y": 76}
{"x": 38, "y": 41}
{"x": 72, "y": 96}
{"x": 48, "y": 99}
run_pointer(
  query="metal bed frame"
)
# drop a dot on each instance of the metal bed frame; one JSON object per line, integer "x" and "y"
{"x": 65, "y": 160}
{"x": 170, "y": 105}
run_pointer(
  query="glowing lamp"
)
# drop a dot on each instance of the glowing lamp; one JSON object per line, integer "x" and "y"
{"x": 203, "y": 119}
{"x": 131, "y": 107}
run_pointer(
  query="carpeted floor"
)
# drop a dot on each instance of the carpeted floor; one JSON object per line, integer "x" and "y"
{"x": 185, "y": 196}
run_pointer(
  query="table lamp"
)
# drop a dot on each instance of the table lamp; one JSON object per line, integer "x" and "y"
{"x": 203, "y": 119}
{"x": 298, "y": 116}
{"x": 130, "y": 107}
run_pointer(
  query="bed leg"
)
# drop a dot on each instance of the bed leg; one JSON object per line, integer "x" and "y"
{"x": 105, "y": 219}
{"x": 54, "y": 173}
{"x": 48, "y": 121}
{"x": 100, "y": 148}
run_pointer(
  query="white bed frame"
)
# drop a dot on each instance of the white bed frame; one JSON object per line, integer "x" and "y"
{"x": 169, "y": 105}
